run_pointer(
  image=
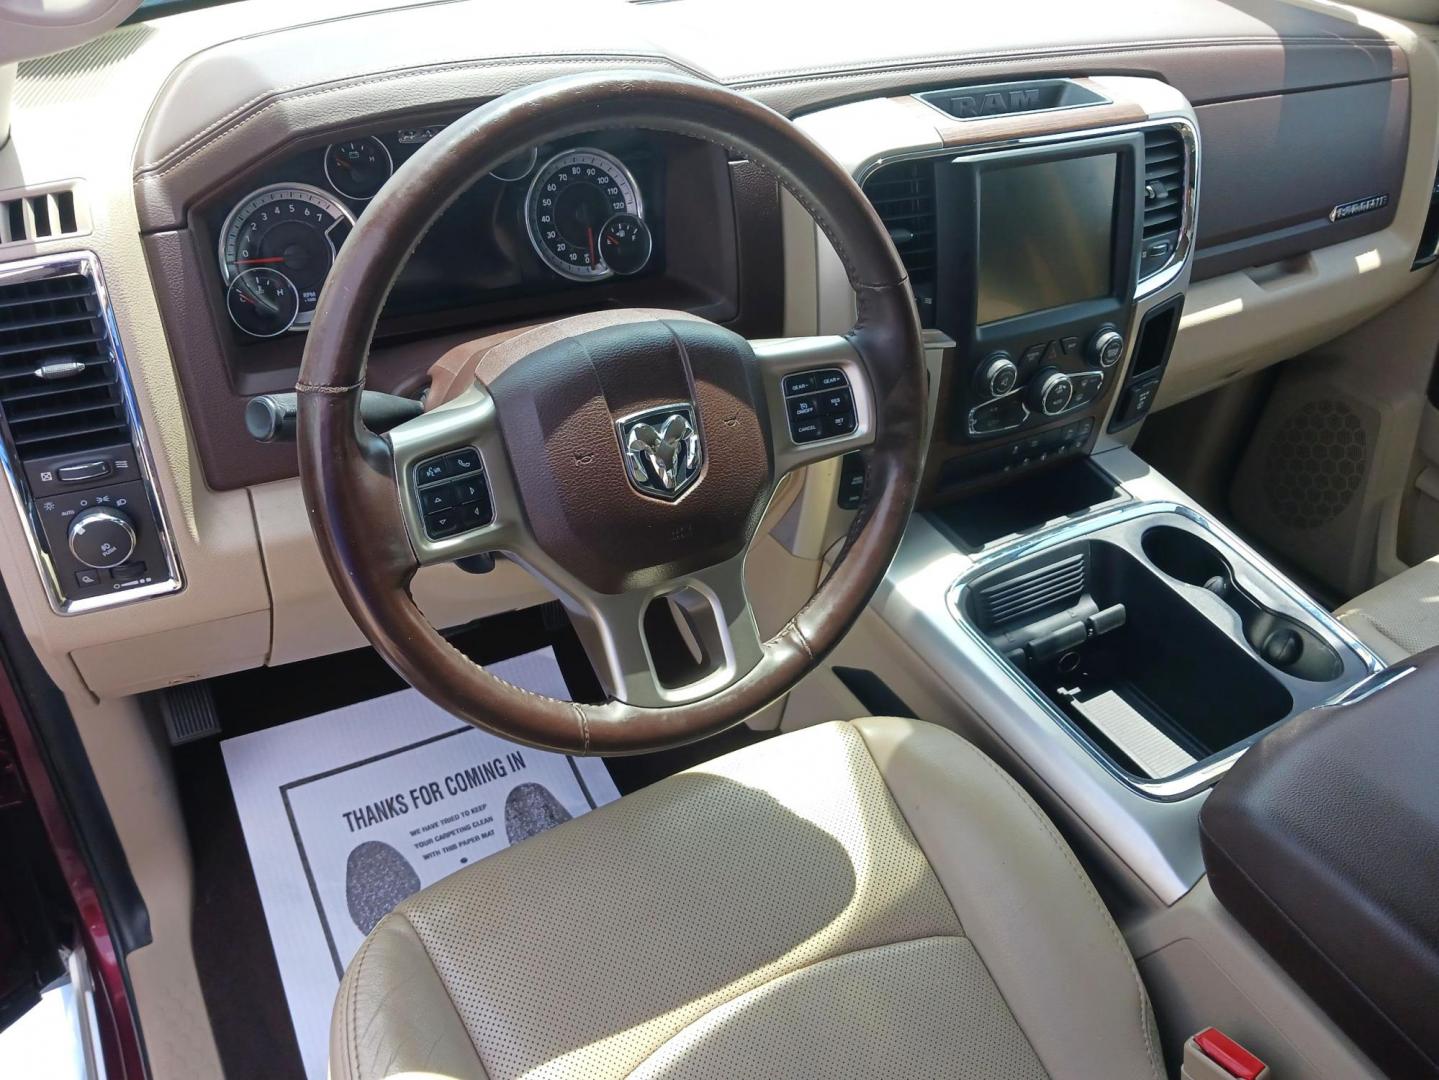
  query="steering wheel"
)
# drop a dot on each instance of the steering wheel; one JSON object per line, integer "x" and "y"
{"x": 625, "y": 458}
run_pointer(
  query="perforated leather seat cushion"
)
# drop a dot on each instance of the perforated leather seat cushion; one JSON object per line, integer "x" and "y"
{"x": 866, "y": 899}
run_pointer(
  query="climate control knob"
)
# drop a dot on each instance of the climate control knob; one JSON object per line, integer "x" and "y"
{"x": 1106, "y": 347}
{"x": 997, "y": 375}
{"x": 1051, "y": 392}
{"x": 101, "y": 539}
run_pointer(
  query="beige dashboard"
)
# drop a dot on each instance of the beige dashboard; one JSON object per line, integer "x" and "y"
{"x": 159, "y": 108}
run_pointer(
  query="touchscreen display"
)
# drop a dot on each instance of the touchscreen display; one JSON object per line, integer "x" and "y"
{"x": 1045, "y": 235}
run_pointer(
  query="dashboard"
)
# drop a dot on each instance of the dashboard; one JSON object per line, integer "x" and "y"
{"x": 228, "y": 127}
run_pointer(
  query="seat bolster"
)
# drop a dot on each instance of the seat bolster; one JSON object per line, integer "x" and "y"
{"x": 1023, "y": 900}
{"x": 393, "y": 1015}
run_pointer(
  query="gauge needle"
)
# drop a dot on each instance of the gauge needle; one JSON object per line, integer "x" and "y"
{"x": 256, "y": 262}
{"x": 590, "y": 235}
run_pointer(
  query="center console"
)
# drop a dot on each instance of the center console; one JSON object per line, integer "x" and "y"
{"x": 1049, "y": 260}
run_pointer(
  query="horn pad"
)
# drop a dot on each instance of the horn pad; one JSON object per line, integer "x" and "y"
{"x": 687, "y": 486}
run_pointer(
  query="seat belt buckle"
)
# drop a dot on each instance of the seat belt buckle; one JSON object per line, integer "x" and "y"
{"x": 1213, "y": 1055}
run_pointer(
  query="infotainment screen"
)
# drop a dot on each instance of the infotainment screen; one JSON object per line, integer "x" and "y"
{"x": 1046, "y": 234}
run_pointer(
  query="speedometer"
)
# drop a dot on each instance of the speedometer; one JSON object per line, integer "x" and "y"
{"x": 294, "y": 229}
{"x": 570, "y": 199}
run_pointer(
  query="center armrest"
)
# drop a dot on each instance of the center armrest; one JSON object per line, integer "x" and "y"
{"x": 1323, "y": 842}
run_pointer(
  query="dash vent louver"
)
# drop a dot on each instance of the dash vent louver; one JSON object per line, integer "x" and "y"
{"x": 58, "y": 388}
{"x": 1165, "y": 180}
{"x": 903, "y": 196}
{"x": 48, "y": 212}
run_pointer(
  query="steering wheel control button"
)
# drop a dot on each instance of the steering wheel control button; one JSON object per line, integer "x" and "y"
{"x": 820, "y": 405}
{"x": 442, "y": 523}
{"x": 804, "y": 382}
{"x": 1106, "y": 347}
{"x": 463, "y": 461}
{"x": 101, "y": 539}
{"x": 451, "y": 493}
{"x": 439, "y": 497}
{"x": 851, "y": 481}
{"x": 803, "y": 408}
{"x": 998, "y": 375}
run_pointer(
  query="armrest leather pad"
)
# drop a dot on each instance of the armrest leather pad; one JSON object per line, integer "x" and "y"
{"x": 1323, "y": 842}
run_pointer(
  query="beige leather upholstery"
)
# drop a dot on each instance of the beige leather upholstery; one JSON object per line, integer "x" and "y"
{"x": 868, "y": 899}
{"x": 1399, "y": 617}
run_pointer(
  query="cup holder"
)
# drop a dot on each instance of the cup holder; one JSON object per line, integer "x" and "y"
{"x": 1279, "y": 640}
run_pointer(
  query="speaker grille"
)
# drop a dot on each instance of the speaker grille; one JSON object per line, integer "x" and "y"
{"x": 1315, "y": 464}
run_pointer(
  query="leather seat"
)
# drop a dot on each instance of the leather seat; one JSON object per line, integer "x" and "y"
{"x": 1399, "y": 617}
{"x": 865, "y": 899}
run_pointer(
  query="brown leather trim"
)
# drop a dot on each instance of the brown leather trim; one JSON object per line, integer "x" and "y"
{"x": 351, "y": 499}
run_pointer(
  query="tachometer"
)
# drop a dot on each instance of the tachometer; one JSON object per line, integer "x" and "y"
{"x": 292, "y": 228}
{"x": 570, "y": 199}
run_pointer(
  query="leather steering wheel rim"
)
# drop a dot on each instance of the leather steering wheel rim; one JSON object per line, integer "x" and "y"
{"x": 348, "y": 473}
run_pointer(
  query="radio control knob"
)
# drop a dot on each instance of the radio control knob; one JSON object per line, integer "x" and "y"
{"x": 101, "y": 539}
{"x": 1106, "y": 347}
{"x": 997, "y": 375}
{"x": 1052, "y": 391}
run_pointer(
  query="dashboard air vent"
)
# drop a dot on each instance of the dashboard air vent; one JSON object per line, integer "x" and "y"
{"x": 1007, "y": 601}
{"x": 47, "y": 213}
{"x": 1164, "y": 182}
{"x": 903, "y": 195}
{"x": 58, "y": 390}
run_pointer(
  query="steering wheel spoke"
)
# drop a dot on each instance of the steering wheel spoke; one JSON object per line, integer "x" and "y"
{"x": 821, "y": 404}
{"x": 454, "y": 483}
{"x": 674, "y": 643}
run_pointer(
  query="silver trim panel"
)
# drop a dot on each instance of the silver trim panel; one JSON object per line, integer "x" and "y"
{"x": 87, "y": 264}
{"x": 1190, "y": 134}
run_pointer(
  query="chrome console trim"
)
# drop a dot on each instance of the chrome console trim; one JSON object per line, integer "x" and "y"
{"x": 1204, "y": 774}
{"x": 87, "y": 264}
{"x": 1188, "y": 131}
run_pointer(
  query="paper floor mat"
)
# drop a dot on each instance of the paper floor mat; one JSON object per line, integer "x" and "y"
{"x": 348, "y": 812}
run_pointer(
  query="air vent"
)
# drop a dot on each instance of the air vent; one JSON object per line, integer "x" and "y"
{"x": 58, "y": 390}
{"x": 1008, "y": 601}
{"x": 49, "y": 213}
{"x": 1164, "y": 186}
{"x": 903, "y": 195}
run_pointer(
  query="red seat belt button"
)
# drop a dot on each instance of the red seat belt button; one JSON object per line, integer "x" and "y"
{"x": 1229, "y": 1055}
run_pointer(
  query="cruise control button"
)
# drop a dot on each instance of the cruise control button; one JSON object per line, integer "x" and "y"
{"x": 828, "y": 380}
{"x": 462, "y": 461}
{"x": 837, "y": 403}
{"x": 437, "y": 498}
{"x": 803, "y": 431}
{"x": 839, "y": 424}
{"x": 800, "y": 383}
{"x": 803, "y": 408}
{"x": 442, "y": 524}
{"x": 427, "y": 472}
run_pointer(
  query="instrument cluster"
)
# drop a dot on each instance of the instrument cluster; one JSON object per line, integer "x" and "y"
{"x": 556, "y": 218}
